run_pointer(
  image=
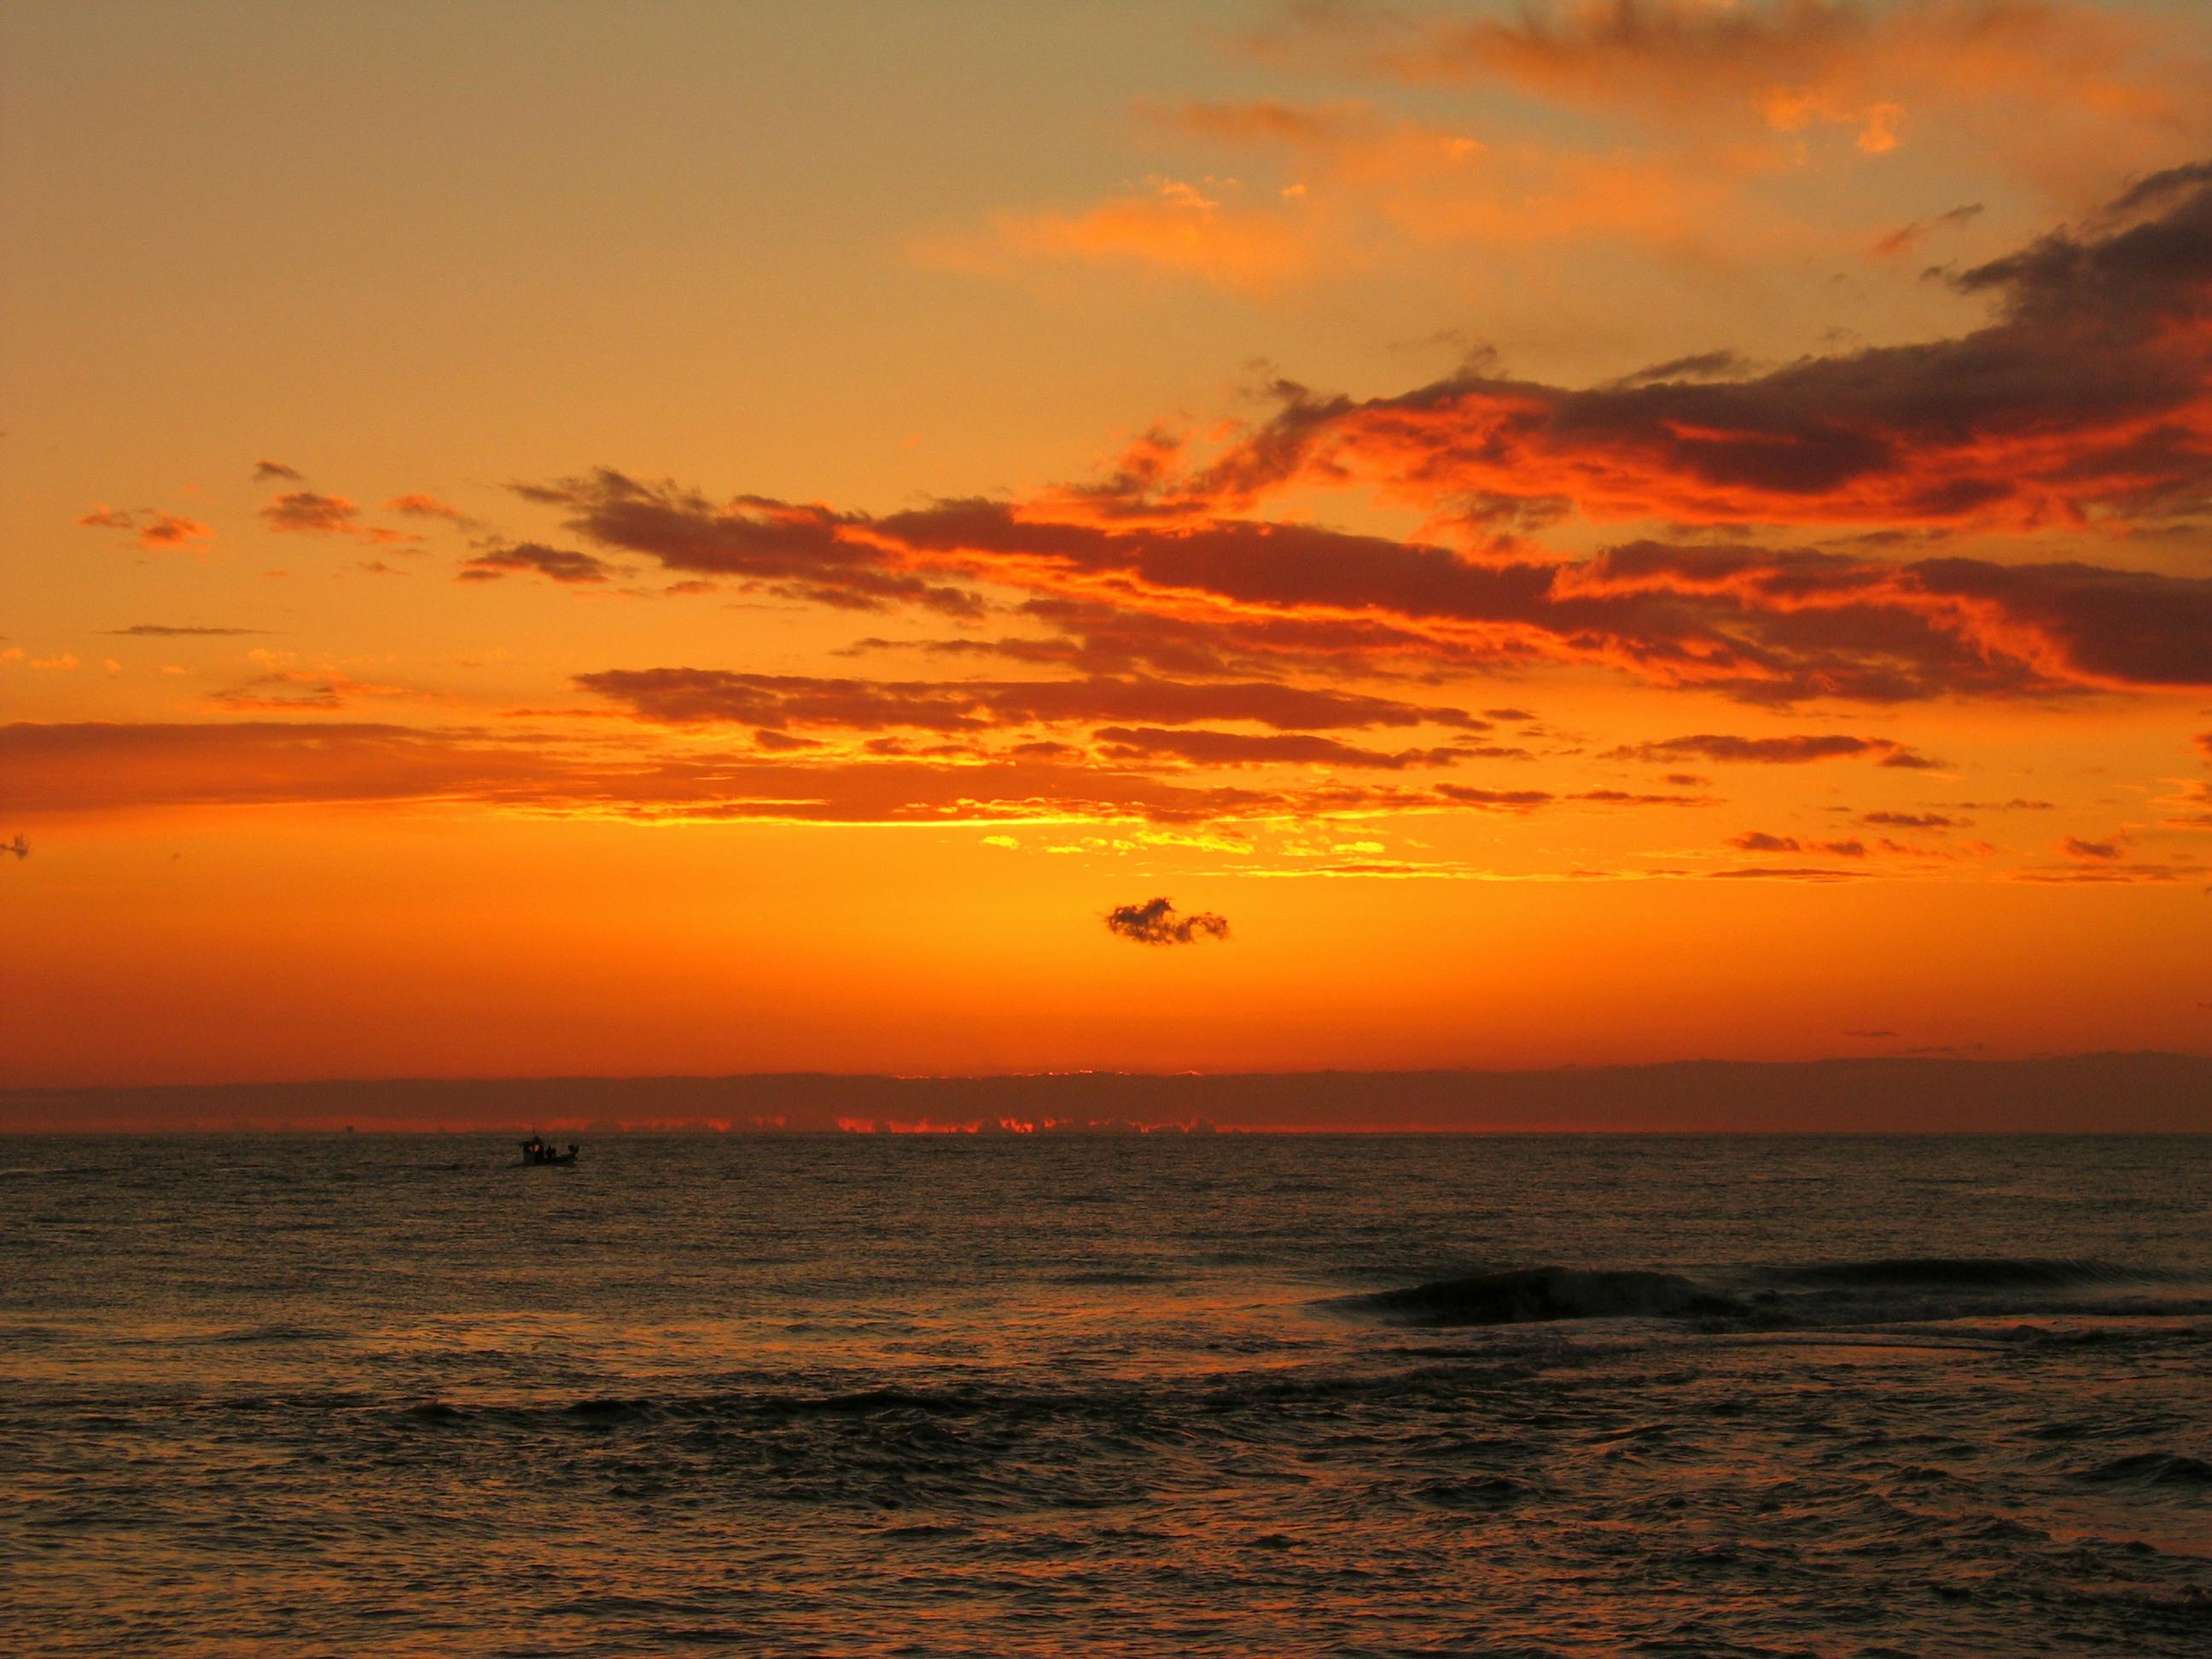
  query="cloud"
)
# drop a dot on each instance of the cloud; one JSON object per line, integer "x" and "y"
{"x": 1352, "y": 187}
{"x": 288, "y": 691}
{"x": 555, "y": 563}
{"x": 2203, "y": 740}
{"x": 2074, "y": 847}
{"x": 1209, "y": 233}
{"x": 630, "y": 776}
{"x": 1212, "y": 748}
{"x": 702, "y": 696}
{"x": 2084, "y": 397}
{"x": 302, "y": 511}
{"x": 266, "y": 472}
{"x": 786, "y": 548}
{"x": 156, "y": 529}
{"x": 1758, "y": 841}
{"x": 2083, "y": 401}
{"x": 1778, "y": 873}
{"x": 1155, "y": 922}
{"x": 164, "y": 631}
{"x": 1910, "y": 820}
{"x": 1627, "y": 798}
{"x": 80, "y": 767}
{"x": 1905, "y": 238}
{"x": 1193, "y": 592}
{"x": 1794, "y": 751}
{"x": 2028, "y": 79}
{"x": 1703, "y": 366}
{"x": 427, "y": 506}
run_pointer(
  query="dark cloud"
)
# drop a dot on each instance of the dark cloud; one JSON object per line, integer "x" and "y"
{"x": 1221, "y": 597}
{"x": 302, "y": 511}
{"x": 1206, "y": 747}
{"x": 700, "y": 695}
{"x": 1625, "y": 798}
{"x": 1758, "y": 841}
{"x": 1703, "y": 366}
{"x": 1511, "y": 801}
{"x": 792, "y": 550}
{"x": 266, "y": 472}
{"x": 1155, "y": 922}
{"x": 1794, "y": 751}
{"x": 2084, "y": 398}
{"x": 1905, "y": 238}
{"x": 163, "y": 631}
{"x": 1779, "y": 872}
{"x": 1912, "y": 820}
{"x": 2086, "y": 391}
{"x": 2076, "y": 847}
{"x": 558, "y": 564}
{"x": 427, "y": 506}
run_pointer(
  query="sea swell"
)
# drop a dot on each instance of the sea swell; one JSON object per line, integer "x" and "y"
{"x": 1890, "y": 1289}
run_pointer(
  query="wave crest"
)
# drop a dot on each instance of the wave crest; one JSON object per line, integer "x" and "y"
{"x": 1531, "y": 1295}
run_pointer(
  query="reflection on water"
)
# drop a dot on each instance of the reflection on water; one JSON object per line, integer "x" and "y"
{"x": 924, "y": 1395}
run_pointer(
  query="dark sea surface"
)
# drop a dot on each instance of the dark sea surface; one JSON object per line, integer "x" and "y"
{"x": 1159, "y": 1394}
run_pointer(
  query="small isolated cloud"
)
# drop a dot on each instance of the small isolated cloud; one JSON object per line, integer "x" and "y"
{"x": 155, "y": 529}
{"x": 2102, "y": 851}
{"x": 1910, "y": 820}
{"x": 1878, "y": 1031}
{"x": 2203, "y": 742}
{"x": 268, "y": 472}
{"x": 159, "y": 530}
{"x": 1905, "y": 238}
{"x": 427, "y": 506}
{"x": 302, "y": 511}
{"x": 1155, "y": 922}
{"x": 558, "y": 564}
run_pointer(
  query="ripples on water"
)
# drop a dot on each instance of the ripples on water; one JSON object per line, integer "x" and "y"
{"x": 939, "y": 1395}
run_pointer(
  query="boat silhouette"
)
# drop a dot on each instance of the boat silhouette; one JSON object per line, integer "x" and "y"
{"x": 537, "y": 1150}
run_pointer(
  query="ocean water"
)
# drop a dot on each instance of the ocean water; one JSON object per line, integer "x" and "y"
{"x": 1233, "y": 1395}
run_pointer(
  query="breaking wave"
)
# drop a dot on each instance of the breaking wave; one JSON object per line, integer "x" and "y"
{"x": 1530, "y": 1295}
{"x": 1891, "y": 1288}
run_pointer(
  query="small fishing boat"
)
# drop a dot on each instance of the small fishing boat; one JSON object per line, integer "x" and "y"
{"x": 538, "y": 1150}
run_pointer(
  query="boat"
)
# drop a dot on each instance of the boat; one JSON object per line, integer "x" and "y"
{"x": 540, "y": 1151}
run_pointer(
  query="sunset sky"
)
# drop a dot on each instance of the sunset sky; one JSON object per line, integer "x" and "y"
{"x": 565, "y": 538}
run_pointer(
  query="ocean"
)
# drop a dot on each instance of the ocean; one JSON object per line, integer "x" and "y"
{"x": 945, "y": 1394}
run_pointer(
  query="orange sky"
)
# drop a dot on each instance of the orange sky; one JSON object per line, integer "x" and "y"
{"x": 550, "y": 540}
